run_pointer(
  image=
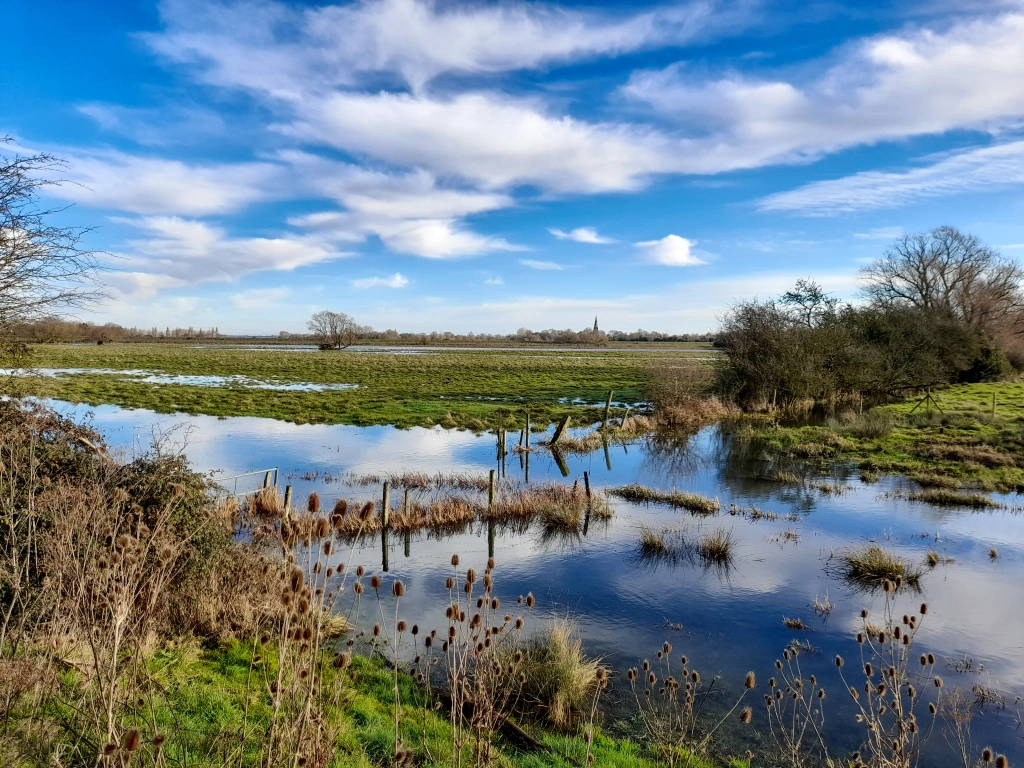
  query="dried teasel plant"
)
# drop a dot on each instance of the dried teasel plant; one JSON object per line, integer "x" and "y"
{"x": 670, "y": 700}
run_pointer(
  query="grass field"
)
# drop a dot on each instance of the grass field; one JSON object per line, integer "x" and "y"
{"x": 206, "y": 698}
{"x": 472, "y": 389}
{"x": 959, "y": 442}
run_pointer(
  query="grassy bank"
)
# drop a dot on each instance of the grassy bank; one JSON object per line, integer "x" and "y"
{"x": 470, "y": 389}
{"x": 957, "y": 442}
{"x": 209, "y": 704}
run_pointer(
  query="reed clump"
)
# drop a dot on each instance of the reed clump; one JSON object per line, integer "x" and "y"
{"x": 871, "y": 565}
{"x": 692, "y": 502}
{"x": 547, "y": 502}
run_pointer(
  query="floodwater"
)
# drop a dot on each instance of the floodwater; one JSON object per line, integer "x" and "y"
{"x": 159, "y": 379}
{"x": 731, "y": 620}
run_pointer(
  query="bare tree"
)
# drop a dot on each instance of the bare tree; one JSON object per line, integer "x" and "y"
{"x": 43, "y": 269}
{"x": 333, "y": 330}
{"x": 951, "y": 273}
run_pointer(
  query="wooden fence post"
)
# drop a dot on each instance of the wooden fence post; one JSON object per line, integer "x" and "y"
{"x": 607, "y": 410}
{"x": 385, "y": 509}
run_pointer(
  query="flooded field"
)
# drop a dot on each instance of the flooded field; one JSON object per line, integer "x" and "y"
{"x": 787, "y": 543}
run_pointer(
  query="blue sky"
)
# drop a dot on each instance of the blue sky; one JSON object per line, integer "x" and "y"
{"x": 485, "y": 166}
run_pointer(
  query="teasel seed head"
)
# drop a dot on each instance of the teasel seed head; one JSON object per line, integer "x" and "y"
{"x": 938, "y": 682}
{"x": 398, "y": 589}
{"x": 887, "y": 586}
{"x": 470, "y": 576}
{"x": 1002, "y": 762}
{"x": 839, "y": 661}
{"x": 358, "y": 587}
{"x": 924, "y": 609}
{"x": 899, "y": 582}
{"x": 490, "y": 563}
{"x": 401, "y": 626}
{"x": 131, "y": 741}
{"x": 986, "y": 755}
{"x": 750, "y": 681}
{"x": 931, "y": 658}
{"x": 932, "y": 708}
{"x": 746, "y": 715}
{"x": 313, "y": 504}
{"x": 864, "y": 613}
{"x": 375, "y": 581}
{"x": 376, "y": 630}
{"x": 519, "y": 623}
{"x": 530, "y": 600}
{"x": 455, "y": 561}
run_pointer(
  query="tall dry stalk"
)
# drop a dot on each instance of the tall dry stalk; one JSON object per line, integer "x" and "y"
{"x": 670, "y": 708}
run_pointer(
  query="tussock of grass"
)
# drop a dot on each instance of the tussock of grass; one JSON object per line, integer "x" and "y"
{"x": 560, "y": 677}
{"x": 870, "y": 565}
{"x": 693, "y": 502}
{"x": 943, "y": 497}
{"x": 933, "y": 558}
{"x": 652, "y": 542}
{"x": 715, "y": 547}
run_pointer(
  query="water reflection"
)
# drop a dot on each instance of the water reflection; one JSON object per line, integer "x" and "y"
{"x": 730, "y": 622}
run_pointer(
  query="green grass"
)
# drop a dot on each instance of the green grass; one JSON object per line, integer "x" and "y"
{"x": 965, "y": 446}
{"x": 203, "y": 700}
{"x": 473, "y": 389}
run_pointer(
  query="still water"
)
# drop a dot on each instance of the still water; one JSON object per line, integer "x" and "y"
{"x": 732, "y": 621}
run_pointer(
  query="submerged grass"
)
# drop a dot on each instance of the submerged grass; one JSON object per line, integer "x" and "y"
{"x": 943, "y": 497}
{"x": 692, "y": 502}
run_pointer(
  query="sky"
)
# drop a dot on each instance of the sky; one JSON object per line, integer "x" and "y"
{"x": 472, "y": 166}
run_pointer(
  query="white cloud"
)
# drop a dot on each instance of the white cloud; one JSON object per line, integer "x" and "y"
{"x": 150, "y": 126}
{"x": 487, "y": 138}
{"x": 970, "y": 75}
{"x": 179, "y": 252}
{"x": 581, "y": 235}
{"x": 985, "y": 168}
{"x": 496, "y": 280}
{"x": 545, "y": 265}
{"x": 880, "y": 233}
{"x": 395, "y": 281}
{"x": 259, "y": 298}
{"x": 671, "y": 250}
{"x": 277, "y": 49}
{"x": 158, "y": 186}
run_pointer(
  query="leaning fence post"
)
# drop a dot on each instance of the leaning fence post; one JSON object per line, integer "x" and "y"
{"x": 266, "y": 479}
{"x": 561, "y": 428}
{"x": 385, "y": 508}
{"x": 287, "y": 498}
{"x": 490, "y": 490}
{"x": 607, "y": 410}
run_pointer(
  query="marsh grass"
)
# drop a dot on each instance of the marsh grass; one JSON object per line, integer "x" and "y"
{"x": 945, "y": 497}
{"x": 871, "y": 566}
{"x": 692, "y": 502}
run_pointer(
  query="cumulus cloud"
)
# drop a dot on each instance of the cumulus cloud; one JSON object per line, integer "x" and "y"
{"x": 487, "y": 138}
{"x": 581, "y": 235}
{"x": 545, "y": 265}
{"x": 975, "y": 169}
{"x": 395, "y": 281}
{"x": 177, "y": 252}
{"x": 671, "y": 250}
{"x": 970, "y": 75}
{"x": 150, "y": 185}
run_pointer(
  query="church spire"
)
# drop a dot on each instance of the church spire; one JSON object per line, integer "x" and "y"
{"x": 595, "y": 324}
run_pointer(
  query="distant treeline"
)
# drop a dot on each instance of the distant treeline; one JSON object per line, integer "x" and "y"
{"x": 55, "y": 331}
